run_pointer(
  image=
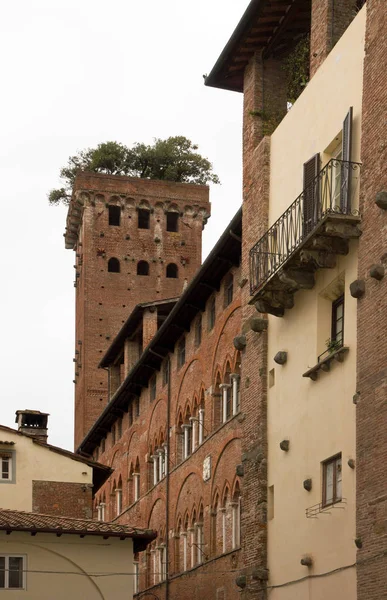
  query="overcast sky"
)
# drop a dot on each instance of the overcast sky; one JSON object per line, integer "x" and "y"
{"x": 76, "y": 73}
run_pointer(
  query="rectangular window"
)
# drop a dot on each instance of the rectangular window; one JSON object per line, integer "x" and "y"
{"x": 166, "y": 372}
{"x": 114, "y": 215}
{"x": 12, "y": 572}
{"x": 332, "y": 480}
{"x": 153, "y": 382}
{"x": 181, "y": 353}
{"x": 211, "y": 314}
{"x": 137, "y": 407}
{"x": 119, "y": 428}
{"x": 228, "y": 289}
{"x": 6, "y": 466}
{"x": 172, "y": 221}
{"x": 198, "y": 331}
{"x": 143, "y": 218}
{"x": 337, "y": 333}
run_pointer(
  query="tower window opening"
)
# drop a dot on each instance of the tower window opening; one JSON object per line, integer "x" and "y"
{"x": 113, "y": 265}
{"x": 142, "y": 268}
{"x": 143, "y": 218}
{"x": 114, "y": 215}
{"x": 173, "y": 221}
{"x": 172, "y": 271}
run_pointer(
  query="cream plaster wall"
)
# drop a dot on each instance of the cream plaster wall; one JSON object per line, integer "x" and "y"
{"x": 37, "y": 463}
{"x": 317, "y": 117}
{"x": 63, "y": 568}
{"x": 317, "y": 417}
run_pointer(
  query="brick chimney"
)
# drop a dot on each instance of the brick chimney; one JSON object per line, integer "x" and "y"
{"x": 33, "y": 423}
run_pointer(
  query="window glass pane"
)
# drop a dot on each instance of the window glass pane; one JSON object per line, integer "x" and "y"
{"x": 338, "y": 479}
{"x": 2, "y": 572}
{"x": 5, "y": 468}
{"x": 15, "y": 577}
{"x": 329, "y": 482}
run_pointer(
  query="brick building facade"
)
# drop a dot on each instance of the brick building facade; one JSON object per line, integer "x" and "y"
{"x": 216, "y": 420}
{"x": 134, "y": 240}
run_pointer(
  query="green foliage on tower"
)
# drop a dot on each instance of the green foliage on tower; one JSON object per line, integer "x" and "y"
{"x": 173, "y": 159}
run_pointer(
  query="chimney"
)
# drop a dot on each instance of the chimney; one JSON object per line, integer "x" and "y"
{"x": 33, "y": 423}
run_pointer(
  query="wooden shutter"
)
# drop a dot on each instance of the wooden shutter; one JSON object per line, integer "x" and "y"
{"x": 311, "y": 207}
{"x": 345, "y": 200}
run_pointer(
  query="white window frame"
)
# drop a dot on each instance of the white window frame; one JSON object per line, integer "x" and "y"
{"x": 9, "y": 457}
{"x": 136, "y": 577}
{"x": 6, "y": 574}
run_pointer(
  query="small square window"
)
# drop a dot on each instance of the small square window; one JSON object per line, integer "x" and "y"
{"x": 332, "y": 480}
{"x": 7, "y": 471}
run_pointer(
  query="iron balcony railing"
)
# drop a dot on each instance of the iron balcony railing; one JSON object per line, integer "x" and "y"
{"x": 332, "y": 191}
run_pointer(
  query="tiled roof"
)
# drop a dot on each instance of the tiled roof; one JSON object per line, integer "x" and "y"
{"x": 15, "y": 520}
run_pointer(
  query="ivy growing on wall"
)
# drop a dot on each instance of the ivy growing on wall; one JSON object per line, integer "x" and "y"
{"x": 296, "y": 66}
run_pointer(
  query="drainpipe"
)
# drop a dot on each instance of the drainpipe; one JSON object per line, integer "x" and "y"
{"x": 168, "y": 453}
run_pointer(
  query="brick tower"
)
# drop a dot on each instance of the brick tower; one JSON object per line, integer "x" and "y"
{"x": 135, "y": 240}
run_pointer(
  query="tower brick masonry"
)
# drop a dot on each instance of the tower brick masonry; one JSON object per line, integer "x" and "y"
{"x": 135, "y": 240}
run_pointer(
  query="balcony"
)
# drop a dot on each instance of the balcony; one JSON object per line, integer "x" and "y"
{"x": 308, "y": 236}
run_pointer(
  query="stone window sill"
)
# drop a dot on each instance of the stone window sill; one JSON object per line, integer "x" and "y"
{"x": 325, "y": 365}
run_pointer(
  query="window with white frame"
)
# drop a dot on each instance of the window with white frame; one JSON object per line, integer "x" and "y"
{"x": 136, "y": 578}
{"x": 12, "y": 572}
{"x": 6, "y": 467}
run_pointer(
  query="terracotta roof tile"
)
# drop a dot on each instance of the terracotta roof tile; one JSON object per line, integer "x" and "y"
{"x": 15, "y": 520}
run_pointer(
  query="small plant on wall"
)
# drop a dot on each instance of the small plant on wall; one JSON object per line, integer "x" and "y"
{"x": 296, "y": 66}
{"x": 332, "y": 345}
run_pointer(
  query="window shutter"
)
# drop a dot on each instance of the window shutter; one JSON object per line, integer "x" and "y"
{"x": 346, "y": 170}
{"x": 311, "y": 207}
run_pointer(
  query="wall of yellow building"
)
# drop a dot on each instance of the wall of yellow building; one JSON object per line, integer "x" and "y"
{"x": 37, "y": 463}
{"x": 70, "y": 567}
{"x": 318, "y": 418}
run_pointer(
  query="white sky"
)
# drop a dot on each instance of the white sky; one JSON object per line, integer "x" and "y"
{"x": 76, "y": 73}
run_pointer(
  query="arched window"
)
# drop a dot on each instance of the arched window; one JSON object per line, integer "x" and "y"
{"x": 236, "y": 385}
{"x": 227, "y": 394}
{"x": 187, "y": 429}
{"x": 118, "y": 492}
{"x": 225, "y": 522}
{"x": 185, "y": 543}
{"x": 142, "y": 268}
{"x": 172, "y": 221}
{"x": 114, "y": 265}
{"x": 193, "y": 540}
{"x": 136, "y": 480}
{"x": 180, "y": 440}
{"x": 236, "y": 518}
{"x": 178, "y": 547}
{"x": 143, "y": 218}
{"x": 215, "y": 529}
{"x": 130, "y": 485}
{"x": 114, "y": 215}
{"x": 172, "y": 271}
{"x": 199, "y": 537}
{"x": 217, "y": 404}
{"x": 228, "y": 289}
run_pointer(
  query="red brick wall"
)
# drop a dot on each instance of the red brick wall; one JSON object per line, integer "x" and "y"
{"x": 64, "y": 499}
{"x": 330, "y": 18}
{"x": 105, "y": 299}
{"x": 371, "y": 410}
{"x": 188, "y": 491}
